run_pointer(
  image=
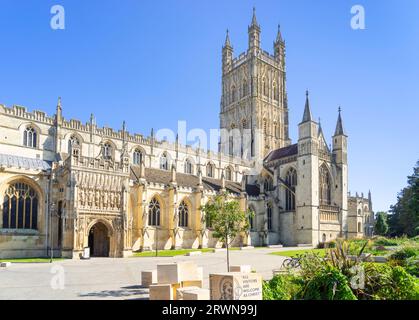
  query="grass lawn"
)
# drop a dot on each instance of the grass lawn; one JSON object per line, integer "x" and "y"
{"x": 31, "y": 260}
{"x": 294, "y": 253}
{"x": 172, "y": 253}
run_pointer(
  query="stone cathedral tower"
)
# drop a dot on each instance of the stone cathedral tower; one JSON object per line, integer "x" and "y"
{"x": 254, "y": 111}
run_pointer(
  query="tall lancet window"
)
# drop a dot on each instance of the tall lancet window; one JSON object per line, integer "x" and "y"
{"x": 276, "y": 91}
{"x": 154, "y": 212}
{"x": 244, "y": 90}
{"x": 324, "y": 186}
{"x": 183, "y": 214}
{"x": 137, "y": 157}
{"x": 164, "y": 162}
{"x": 291, "y": 180}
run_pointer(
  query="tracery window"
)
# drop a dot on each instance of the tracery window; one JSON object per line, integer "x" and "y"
{"x": 276, "y": 91}
{"x": 20, "y": 207}
{"x": 324, "y": 188}
{"x": 244, "y": 90}
{"x": 269, "y": 216}
{"x": 265, "y": 87}
{"x": 268, "y": 184}
{"x": 137, "y": 157}
{"x": 30, "y": 137}
{"x": 154, "y": 212}
{"x": 291, "y": 180}
{"x": 233, "y": 94}
{"x": 183, "y": 214}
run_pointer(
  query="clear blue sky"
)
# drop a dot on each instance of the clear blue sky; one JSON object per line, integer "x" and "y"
{"x": 152, "y": 63}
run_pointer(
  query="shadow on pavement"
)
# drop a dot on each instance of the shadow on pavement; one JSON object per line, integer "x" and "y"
{"x": 125, "y": 292}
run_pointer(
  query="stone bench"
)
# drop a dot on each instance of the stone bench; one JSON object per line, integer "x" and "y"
{"x": 148, "y": 277}
{"x": 193, "y": 293}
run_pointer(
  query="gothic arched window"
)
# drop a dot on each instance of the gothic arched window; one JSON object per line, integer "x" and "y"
{"x": 276, "y": 130}
{"x": 210, "y": 170}
{"x": 137, "y": 156}
{"x": 233, "y": 93}
{"x": 244, "y": 90}
{"x": 20, "y": 207}
{"x": 188, "y": 167}
{"x": 268, "y": 184}
{"x": 30, "y": 137}
{"x": 154, "y": 212}
{"x": 291, "y": 180}
{"x": 183, "y": 214}
{"x": 265, "y": 87}
{"x": 324, "y": 188}
{"x": 269, "y": 216}
{"x": 74, "y": 146}
{"x": 276, "y": 91}
{"x": 107, "y": 151}
{"x": 164, "y": 162}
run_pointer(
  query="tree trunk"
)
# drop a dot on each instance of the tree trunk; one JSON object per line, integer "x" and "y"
{"x": 228, "y": 256}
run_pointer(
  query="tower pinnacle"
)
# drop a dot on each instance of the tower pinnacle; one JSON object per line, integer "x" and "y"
{"x": 227, "y": 42}
{"x": 307, "y": 112}
{"x": 279, "y": 35}
{"x": 339, "y": 126}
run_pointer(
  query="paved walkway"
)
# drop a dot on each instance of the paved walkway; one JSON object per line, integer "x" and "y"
{"x": 109, "y": 278}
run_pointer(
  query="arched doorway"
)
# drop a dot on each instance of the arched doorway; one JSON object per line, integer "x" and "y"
{"x": 99, "y": 240}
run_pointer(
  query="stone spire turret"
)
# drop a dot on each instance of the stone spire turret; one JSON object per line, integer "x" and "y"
{"x": 339, "y": 126}
{"x": 307, "y": 111}
{"x": 227, "y": 54}
{"x": 254, "y": 34}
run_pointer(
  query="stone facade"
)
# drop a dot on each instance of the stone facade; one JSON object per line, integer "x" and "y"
{"x": 68, "y": 185}
{"x": 361, "y": 220}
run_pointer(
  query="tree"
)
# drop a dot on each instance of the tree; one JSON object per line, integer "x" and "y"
{"x": 226, "y": 219}
{"x": 381, "y": 225}
{"x": 405, "y": 213}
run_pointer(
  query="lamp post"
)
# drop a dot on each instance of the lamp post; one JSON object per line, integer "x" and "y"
{"x": 52, "y": 214}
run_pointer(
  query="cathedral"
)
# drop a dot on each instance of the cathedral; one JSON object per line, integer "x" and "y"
{"x": 67, "y": 185}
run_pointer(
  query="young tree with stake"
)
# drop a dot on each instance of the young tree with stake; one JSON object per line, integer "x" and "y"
{"x": 226, "y": 219}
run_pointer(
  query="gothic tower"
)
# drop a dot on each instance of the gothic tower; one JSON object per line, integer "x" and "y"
{"x": 340, "y": 154}
{"x": 254, "y": 111}
{"x": 307, "y": 198}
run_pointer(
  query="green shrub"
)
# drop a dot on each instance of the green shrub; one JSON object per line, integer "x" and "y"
{"x": 386, "y": 282}
{"x": 327, "y": 284}
{"x": 412, "y": 266}
{"x": 383, "y": 241}
{"x": 282, "y": 287}
{"x": 330, "y": 244}
{"x": 405, "y": 253}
